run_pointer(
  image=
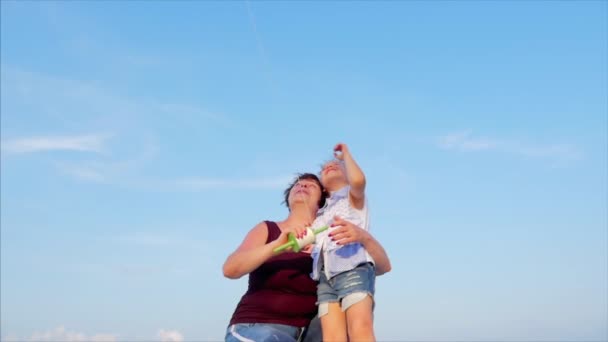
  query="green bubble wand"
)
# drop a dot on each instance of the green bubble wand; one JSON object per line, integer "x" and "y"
{"x": 297, "y": 244}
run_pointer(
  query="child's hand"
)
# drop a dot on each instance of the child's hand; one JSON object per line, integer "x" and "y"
{"x": 339, "y": 151}
{"x": 344, "y": 232}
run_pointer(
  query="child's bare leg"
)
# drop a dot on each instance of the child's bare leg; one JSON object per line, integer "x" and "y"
{"x": 360, "y": 321}
{"x": 333, "y": 323}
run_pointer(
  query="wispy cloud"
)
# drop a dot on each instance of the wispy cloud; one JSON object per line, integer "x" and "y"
{"x": 61, "y": 334}
{"x": 259, "y": 44}
{"x": 80, "y": 105}
{"x": 108, "y": 171}
{"x": 77, "y": 103}
{"x": 464, "y": 141}
{"x": 80, "y": 143}
{"x": 151, "y": 239}
{"x": 83, "y": 172}
{"x": 191, "y": 115}
{"x": 170, "y": 336}
{"x": 53, "y": 103}
{"x": 194, "y": 184}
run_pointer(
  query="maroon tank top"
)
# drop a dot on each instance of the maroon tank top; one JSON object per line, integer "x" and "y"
{"x": 280, "y": 290}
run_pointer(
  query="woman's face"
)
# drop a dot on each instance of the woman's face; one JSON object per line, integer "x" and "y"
{"x": 305, "y": 190}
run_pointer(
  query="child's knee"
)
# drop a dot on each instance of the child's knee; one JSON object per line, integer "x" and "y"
{"x": 360, "y": 319}
{"x": 362, "y": 331}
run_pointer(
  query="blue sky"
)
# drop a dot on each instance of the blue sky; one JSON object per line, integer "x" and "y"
{"x": 142, "y": 140}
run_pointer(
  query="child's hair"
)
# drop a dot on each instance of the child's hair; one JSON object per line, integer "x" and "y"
{"x": 309, "y": 176}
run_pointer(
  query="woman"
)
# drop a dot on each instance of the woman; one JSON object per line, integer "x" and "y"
{"x": 280, "y": 301}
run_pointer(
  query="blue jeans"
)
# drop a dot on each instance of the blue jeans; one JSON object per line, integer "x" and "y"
{"x": 262, "y": 332}
{"x": 360, "y": 280}
{"x": 313, "y": 332}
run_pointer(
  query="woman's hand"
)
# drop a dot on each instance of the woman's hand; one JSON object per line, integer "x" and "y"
{"x": 282, "y": 239}
{"x": 299, "y": 231}
{"x": 344, "y": 232}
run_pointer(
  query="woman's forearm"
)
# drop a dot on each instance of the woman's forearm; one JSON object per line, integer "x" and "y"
{"x": 244, "y": 262}
{"x": 377, "y": 252}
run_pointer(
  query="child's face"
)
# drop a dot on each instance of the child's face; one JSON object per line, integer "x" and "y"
{"x": 331, "y": 170}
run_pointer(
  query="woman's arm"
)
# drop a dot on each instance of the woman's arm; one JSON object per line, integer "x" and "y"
{"x": 346, "y": 232}
{"x": 377, "y": 252}
{"x": 252, "y": 252}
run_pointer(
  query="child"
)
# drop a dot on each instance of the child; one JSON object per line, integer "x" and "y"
{"x": 345, "y": 271}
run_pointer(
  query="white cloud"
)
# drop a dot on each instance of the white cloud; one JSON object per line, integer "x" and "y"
{"x": 258, "y": 39}
{"x": 107, "y": 171}
{"x": 148, "y": 239}
{"x": 170, "y": 336}
{"x": 194, "y": 184}
{"x": 555, "y": 150}
{"x": 82, "y": 105}
{"x": 83, "y": 172}
{"x": 10, "y": 338}
{"x": 77, "y": 103}
{"x": 161, "y": 240}
{"x": 54, "y": 103}
{"x": 61, "y": 102}
{"x": 465, "y": 142}
{"x": 190, "y": 115}
{"x": 462, "y": 141}
{"x": 61, "y": 334}
{"x": 81, "y": 143}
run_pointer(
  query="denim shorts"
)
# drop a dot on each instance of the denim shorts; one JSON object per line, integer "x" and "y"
{"x": 360, "y": 280}
{"x": 259, "y": 332}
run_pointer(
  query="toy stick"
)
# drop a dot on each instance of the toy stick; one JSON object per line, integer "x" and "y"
{"x": 297, "y": 244}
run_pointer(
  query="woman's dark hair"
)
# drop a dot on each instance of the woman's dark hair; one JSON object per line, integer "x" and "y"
{"x": 309, "y": 176}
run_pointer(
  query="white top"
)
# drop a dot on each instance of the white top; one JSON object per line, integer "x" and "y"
{"x": 338, "y": 258}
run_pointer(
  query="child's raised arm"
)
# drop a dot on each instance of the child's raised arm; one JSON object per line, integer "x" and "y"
{"x": 354, "y": 175}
